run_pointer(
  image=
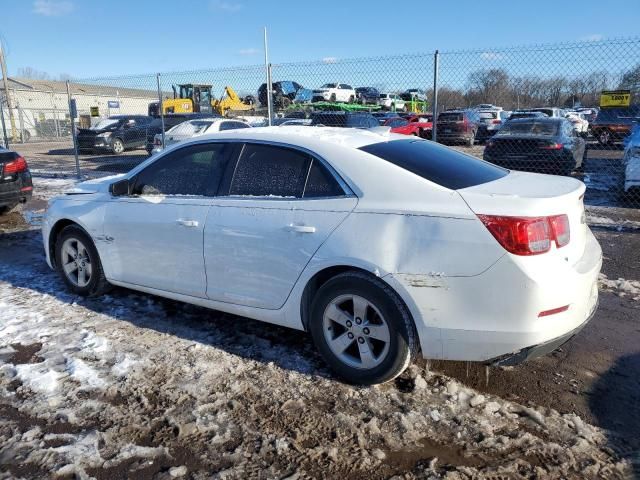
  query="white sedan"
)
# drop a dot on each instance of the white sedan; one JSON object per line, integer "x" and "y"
{"x": 195, "y": 128}
{"x": 381, "y": 246}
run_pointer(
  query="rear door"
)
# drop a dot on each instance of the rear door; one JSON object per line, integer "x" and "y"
{"x": 282, "y": 204}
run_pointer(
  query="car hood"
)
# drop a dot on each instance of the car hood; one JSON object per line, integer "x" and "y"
{"x": 100, "y": 185}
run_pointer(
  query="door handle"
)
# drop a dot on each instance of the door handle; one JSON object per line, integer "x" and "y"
{"x": 187, "y": 223}
{"x": 301, "y": 229}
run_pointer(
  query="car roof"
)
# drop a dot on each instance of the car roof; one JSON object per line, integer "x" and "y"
{"x": 307, "y": 137}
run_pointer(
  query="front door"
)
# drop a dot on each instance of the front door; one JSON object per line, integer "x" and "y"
{"x": 282, "y": 205}
{"x": 154, "y": 236}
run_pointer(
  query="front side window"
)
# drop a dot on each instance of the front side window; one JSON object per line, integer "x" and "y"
{"x": 194, "y": 171}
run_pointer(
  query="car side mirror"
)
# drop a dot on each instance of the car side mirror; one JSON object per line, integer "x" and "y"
{"x": 120, "y": 188}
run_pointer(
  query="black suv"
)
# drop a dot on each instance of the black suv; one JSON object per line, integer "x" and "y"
{"x": 366, "y": 95}
{"x": 115, "y": 134}
{"x": 458, "y": 126}
{"x": 284, "y": 93}
{"x": 170, "y": 121}
{"x": 344, "y": 119}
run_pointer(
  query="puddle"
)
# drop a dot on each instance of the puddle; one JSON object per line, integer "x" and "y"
{"x": 429, "y": 449}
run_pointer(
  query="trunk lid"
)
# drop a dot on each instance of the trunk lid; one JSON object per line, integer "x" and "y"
{"x": 521, "y": 194}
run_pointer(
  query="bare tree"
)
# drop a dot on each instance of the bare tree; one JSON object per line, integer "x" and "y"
{"x": 32, "y": 73}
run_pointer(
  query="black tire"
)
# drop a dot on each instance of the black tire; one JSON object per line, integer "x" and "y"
{"x": 604, "y": 137}
{"x": 333, "y": 98}
{"x": 403, "y": 343}
{"x": 117, "y": 146}
{"x": 6, "y": 209}
{"x": 97, "y": 284}
{"x": 352, "y": 99}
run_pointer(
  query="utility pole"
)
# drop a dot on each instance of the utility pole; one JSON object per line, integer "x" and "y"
{"x": 269, "y": 84}
{"x": 12, "y": 121}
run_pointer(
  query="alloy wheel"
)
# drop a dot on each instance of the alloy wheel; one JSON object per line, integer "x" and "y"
{"x": 356, "y": 332}
{"x": 75, "y": 262}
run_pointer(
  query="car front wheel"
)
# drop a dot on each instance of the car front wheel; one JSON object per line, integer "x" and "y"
{"x": 362, "y": 329}
{"x": 78, "y": 263}
{"x": 118, "y": 146}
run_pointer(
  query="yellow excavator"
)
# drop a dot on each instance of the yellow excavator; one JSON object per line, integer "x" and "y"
{"x": 197, "y": 98}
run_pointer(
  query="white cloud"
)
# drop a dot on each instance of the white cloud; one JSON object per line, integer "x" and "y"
{"x": 49, "y": 8}
{"x": 594, "y": 37}
{"x": 248, "y": 51}
{"x": 329, "y": 59}
{"x": 229, "y": 7}
{"x": 491, "y": 56}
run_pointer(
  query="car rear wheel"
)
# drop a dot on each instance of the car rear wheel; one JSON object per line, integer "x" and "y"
{"x": 117, "y": 146}
{"x": 4, "y": 210}
{"x": 362, "y": 329}
{"x": 333, "y": 97}
{"x": 78, "y": 263}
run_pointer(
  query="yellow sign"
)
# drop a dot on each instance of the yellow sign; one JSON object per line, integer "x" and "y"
{"x": 615, "y": 98}
{"x": 94, "y": 111}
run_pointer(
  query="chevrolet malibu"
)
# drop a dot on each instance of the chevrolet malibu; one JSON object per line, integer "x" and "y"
{"x": 382, "y": 247}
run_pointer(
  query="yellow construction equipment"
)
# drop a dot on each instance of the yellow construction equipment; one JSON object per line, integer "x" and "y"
{"x": 187, "y": 98}
{"x": 230, "y": 101}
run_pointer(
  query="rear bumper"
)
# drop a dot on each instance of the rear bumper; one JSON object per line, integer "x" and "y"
{"x": 18, "y": 191}
{"x": 496, "y": 313}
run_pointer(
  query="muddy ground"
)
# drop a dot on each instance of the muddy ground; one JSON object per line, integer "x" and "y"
{"x": 133, "y": 386}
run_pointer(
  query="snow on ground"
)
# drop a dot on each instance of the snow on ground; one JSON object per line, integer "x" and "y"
{"x": 130, "y": 384}
{"x": 621, "y": 287}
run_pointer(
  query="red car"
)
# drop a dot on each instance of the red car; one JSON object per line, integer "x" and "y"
{"x": 418, "y": 125}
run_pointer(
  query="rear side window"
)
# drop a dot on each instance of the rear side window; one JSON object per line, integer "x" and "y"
{"x": 266, "y": 170}
{"x": 320, "y": 183}
{"x": 436, "y": 163}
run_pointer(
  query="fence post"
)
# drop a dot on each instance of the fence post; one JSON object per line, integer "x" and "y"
{"x": 161, "y": 107}
{"x": 434, "y": 128}
{"x": 21, "y": 123}
{"x": 269, "y": 85}
{"x": 72, "y": 114}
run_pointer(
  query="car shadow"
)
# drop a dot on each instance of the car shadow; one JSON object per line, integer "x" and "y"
{"x": 615, "y": 403}
{"x": 22, "y": 264}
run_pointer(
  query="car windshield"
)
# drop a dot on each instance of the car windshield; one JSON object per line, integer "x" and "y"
{"x": 529, "y": 128}
{"x": 329, "y": 85}
{"x": 106, "y": 123}
{"x": 450, "y": 117}
{"x": 193, "y": 127}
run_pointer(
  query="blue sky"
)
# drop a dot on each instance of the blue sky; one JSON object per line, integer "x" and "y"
{"x": 115, "y": 37}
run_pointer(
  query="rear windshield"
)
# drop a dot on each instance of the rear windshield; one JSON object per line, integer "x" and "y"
{"x": 436, "y": 163}
{"x": 450, "y": 117}
{"x": 532, "y": 127}
{"x": 488, "y": 115}
{"x": 547, "y": 111}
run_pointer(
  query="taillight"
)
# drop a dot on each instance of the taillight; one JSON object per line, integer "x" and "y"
{"x": 496, "y": 122}
{"x": 528, "y": 235}
{"x": 560, "y": 229}
{"x": 19, "y": 165}
{"x": 551, "y": 146}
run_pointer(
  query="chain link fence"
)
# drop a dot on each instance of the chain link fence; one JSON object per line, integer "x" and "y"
{"x": 535, "y": 108}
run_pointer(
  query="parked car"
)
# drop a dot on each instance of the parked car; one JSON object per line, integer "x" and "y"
{"x": 615, "y": 123}
{"x": 526, "y": 114}
{"x": 489, "y": 122}
{"x": 458, "y": 126}
{"x": 590, "y": 113}
{"x": 15, "y": 180}
{"x": 344, "y": 119}
{"x": 367, "y": 95}
{"x": 414, "y": 94}
{"x": 424, "y": 123}
{"x": 579, "y": 123}
{"x": 340, "y": 234}
{"x": 384, "y": 116}
{"x": 543, "y": 145}
{"x": 285, "y": 93}
{"x": 115, "y": 134}
{"x": 170, "y": 121}
{"x": 196, "y": 128}
{"x": 486, "y": 106}
{"x": 632, "y": 161}
{"x": 334, "y": 92}
{"x": 552, "y": 112}
{"x": 391, "y": 101}
{"x": 402, "y": 126}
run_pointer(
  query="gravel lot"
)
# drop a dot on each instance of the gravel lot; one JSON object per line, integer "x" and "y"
{"x": 131, "y": 385}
